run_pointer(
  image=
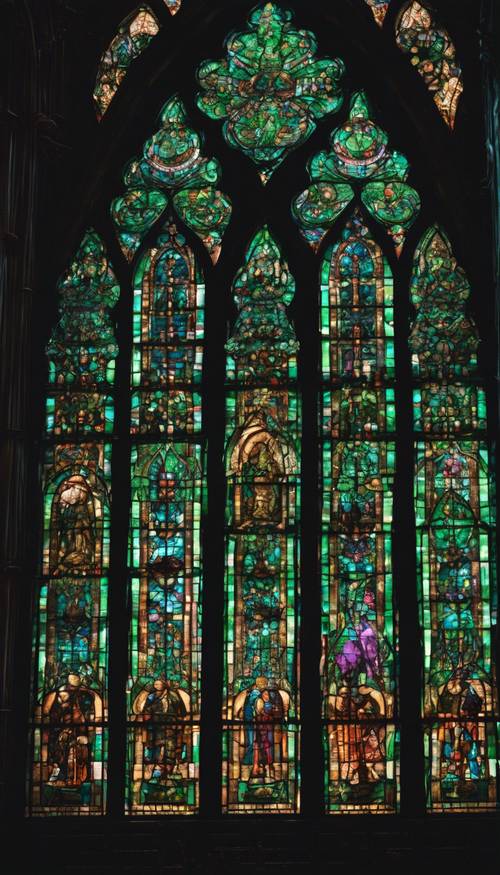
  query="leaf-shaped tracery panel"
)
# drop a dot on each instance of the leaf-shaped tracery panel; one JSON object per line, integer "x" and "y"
{"x": 433, "y": 54}
{"x": 134, "y": 34}
{"x": 172, "y": 172}
{"x": 361, "y": 163}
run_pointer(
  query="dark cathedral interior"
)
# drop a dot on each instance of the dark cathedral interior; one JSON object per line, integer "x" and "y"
{"x": 249, "y": 371}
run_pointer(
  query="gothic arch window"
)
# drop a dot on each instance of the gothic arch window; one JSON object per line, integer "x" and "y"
{"x": 267, "y": 577}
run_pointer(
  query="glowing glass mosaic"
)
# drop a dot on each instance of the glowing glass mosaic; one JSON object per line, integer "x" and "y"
{"x": 70, "y": 698}
{"x": 431, "y": 51}
{"x": 271, "y": 88}
{"x": 359, "y": 635}
{"x": 164, "y": 541}
{"x": 358, "y": 165}
{"x": 263, "y": 427}
{"x": 172, "y": 174}
{"x": 454, "y": 506}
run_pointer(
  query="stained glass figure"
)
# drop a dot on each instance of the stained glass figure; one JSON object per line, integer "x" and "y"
{"x": 172, "y": 174}
{"x": 379, "y": 9}
{"x": 356, "y": 483}
{"x": 134, "y": 35}
{"x": 70, "y": 699}
{"x": 271, "y": 88}
{"x": 455, "y": 537}
{"x": 433, "y": 54}
{"x": 263, "y": 427}
{"x": 358, "y": 165}
{"x": 165, "y": 548}
{"x": 173, "y": 6}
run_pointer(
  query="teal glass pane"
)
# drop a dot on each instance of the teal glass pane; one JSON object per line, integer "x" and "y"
{"x": 263, "y": 427}
{"x": 454, "y": 504}
{"x": 359, "y": 634}
{"x": 165, "y": 536}
{"x": 359, "y": 164}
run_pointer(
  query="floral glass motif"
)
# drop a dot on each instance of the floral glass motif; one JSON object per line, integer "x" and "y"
{"x": 167, "y": 341}
{"x": 360, "y": 164}
{"x": 164, "y": 541}
{"x": 379, "y": 9}
{"x": 173, "y": 6}
{"x": 455, "y": 537}
{"x": 432, "y": 52}
{"x": 134, "y": 35}
{"x": 70, "y": 710}
{"x": 356, "y": 482}
{"x": 271, "y": 89}
{"x": 172, "y": 173}
{"x": 82, "y": 348}
{"x": 263, "y": 427}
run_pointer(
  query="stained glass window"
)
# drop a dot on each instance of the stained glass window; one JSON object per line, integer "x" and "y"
{"x": 172, "y": 173}
{"x": 455, "y": 518}
{"x": 134, "y": 34}
{"x": 169, "y": 216}
{"x": 165, "y": 550}
{"x": 70, "y": 685}
{"x": 379, "y": 9}
{"x": 263, "y": 427}
{"x": 433, "y": 54}
{"x": 359, "y": 164}
{"x": 356, "y": 483}
{"x": 271, "y": 88}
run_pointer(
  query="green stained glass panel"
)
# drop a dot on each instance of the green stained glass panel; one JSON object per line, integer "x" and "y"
{"x": 359, "y": 633}
{"x": 271, "y": 88}
{"x": 359, "y": 164}
{"x": 263, "y": 426}
{"x": 172, "y": 173}
{"x": 454, "y": 504}
{"x": 164, "y": 535}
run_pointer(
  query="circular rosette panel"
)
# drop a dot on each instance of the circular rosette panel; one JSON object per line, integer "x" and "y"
{"x": 207, "y": 212}
{"x": 134, "y": 213}
{"x": 394, "y": 204}
{"x": 316, "y": 209}
{"x": 360, "y": 148}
